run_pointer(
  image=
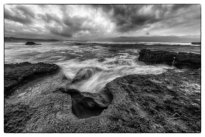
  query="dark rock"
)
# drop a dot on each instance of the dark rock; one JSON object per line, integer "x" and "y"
{"x": 197, "y": 43}
{"x": 180, "y": 60}
{"x": 169, "y": 102}
{"x": 146, "y": 104}
{"x": 85, "y": 73}
{"x": 16, "y": 117}
{"x": 139, "y": 103}
{"x": 31, "y": 43}
{"x": 188, "y": 60}
{"x": 18, "y": 74}
{"x": 84, "y": 106}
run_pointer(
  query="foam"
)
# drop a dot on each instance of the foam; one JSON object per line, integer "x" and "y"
{"x": 123, "y": 62}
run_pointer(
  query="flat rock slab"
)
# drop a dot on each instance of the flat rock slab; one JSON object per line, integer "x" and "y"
{"x": 17, "y": 74}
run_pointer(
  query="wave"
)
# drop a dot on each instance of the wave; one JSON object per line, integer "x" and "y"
{"x": 113, "y": 61}
{"x": 111, "y": 68}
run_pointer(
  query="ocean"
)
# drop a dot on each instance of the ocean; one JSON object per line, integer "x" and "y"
{"x": 113, "y": 59}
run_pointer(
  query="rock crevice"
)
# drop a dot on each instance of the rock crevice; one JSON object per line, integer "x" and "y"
{"x": 85, "y": 105}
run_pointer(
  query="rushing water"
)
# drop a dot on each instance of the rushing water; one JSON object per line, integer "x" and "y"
{"x": 112, "y": 60}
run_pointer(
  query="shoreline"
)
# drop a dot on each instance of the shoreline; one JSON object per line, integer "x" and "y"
{"x": 168, "y": 102}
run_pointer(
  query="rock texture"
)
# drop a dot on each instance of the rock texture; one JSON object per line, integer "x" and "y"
{"x": 18, "y": 74}
{"x": 168, "y": 102}
{"x": 180, "y": 60}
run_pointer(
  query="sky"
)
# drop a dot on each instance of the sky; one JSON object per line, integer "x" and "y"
{"x": 101, "y": 21}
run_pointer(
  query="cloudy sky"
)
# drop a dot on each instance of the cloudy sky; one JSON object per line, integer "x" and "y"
{"x": 98, "y": 21}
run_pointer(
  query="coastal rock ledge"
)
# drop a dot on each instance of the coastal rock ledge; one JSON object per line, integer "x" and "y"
{"x": 179, "y": 60}
{"x": 169, "y": 102}
{"x": 21, "y": 73}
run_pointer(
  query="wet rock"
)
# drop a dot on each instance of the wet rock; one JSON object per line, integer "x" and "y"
{"x": 189, "y": 60}
{"x": 85, "y": 105}
{"x": 180, "y": 60}
{"x": 16, "y": 117}
{"x": 19, "y": 74}
{"x": 31, "y": 43}
{"x": 139, "y": 103}
{"x": 85, "y": 73}
{"x": 197, "y": 43}
{"x": 134, "y": 103}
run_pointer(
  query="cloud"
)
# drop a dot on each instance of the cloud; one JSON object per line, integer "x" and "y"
{"x": 77, "y": 21}
{"x": 135, "y": 17}
{"x": 129, "y": 17}
{"x": 19, "y": 14}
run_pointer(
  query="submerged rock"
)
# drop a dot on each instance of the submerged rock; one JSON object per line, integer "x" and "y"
{"x": 180, "y": 60}
{"x": 18, "y": 74}
{"x": 85, "y": 73}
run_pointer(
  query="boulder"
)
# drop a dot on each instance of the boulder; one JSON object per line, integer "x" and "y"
{"x": 197, "y": 43}
{"x": 31, "y": 43}
{"x": 180, "y": 60}
{"x": 18, "y": 74}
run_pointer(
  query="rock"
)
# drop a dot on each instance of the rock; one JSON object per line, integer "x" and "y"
{"x": 88, "y": 105}
{"x": 85, "y": 73}
{"x": 188, "y": 60}
{"x": 31, "y": 43}
{"x": 18, "y": 74}
{"x": 133, "y": 103}
{"x": 180, "y": 60}
{"x": 16, "y": 116}
{"x": 197, "y": 43}
{"x": 138, "y": 103}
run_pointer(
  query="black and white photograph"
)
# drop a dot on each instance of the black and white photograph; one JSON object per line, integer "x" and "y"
{"x": 102, "y": 68}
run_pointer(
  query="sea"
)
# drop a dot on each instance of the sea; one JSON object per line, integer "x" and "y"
{"x": 114, "y": 59}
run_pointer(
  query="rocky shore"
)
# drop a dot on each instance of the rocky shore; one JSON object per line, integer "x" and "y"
{"x": 18, "y": 74}
{"x": 179, "y": 60}
{"x": 38, "y": 99}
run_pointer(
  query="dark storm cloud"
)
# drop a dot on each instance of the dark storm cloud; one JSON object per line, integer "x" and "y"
{"x": 128, "y": 17}
{"x": 19, "y": 14}
{"x": 180, "y": 6}
{"x": 50, "y": 18}
{"x": 26, "y": 11}
{"x": 74, "y": 20}
{"x": 131, "y": 17}
{"x": 66, "y": 26}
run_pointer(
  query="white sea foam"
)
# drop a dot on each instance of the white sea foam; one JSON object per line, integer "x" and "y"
{"x": 120, "y": 65}
{"x": 71, "y": 58}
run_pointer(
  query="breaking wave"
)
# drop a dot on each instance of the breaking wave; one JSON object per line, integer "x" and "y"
{"x": 111, "y": 61}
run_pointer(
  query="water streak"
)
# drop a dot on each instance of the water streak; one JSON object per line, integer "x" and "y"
{"x": 113, "y": 61}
